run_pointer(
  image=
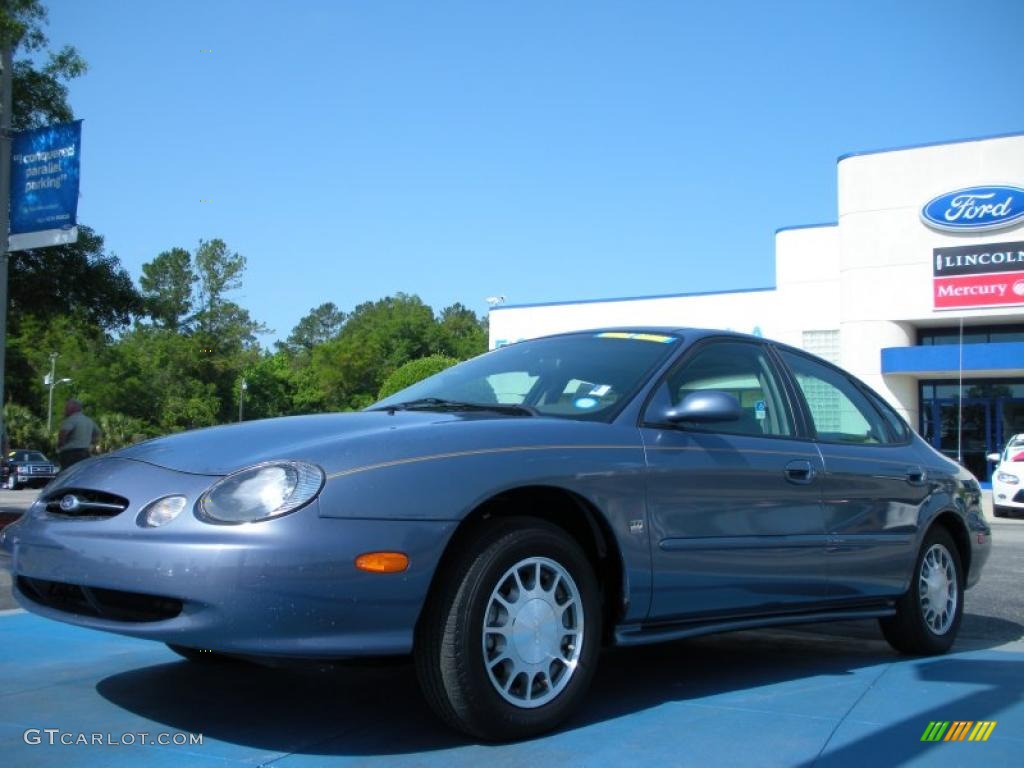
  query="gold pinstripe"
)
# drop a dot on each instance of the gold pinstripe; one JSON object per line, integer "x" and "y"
{"x": 479, "y": 452}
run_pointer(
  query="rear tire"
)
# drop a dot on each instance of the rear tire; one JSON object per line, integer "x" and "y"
{"x": 928, "y": 616}
{"x": 509, "y": 639}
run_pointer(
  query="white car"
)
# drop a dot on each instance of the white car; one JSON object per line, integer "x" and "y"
{"x": 1008, "y": 480}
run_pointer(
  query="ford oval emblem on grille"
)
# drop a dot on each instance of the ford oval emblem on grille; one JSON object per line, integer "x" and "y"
{"x": 69, "y": 503}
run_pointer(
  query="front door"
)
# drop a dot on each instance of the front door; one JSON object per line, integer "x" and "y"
{"x": 734, "y": 507}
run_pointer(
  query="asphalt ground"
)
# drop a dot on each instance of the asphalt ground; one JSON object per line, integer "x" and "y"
{"x": 823, "y": 695}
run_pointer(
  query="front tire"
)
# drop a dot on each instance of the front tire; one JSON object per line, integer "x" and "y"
{"x": 508, "y": 642}
{"x": 1001, "y": 511}
{"x": 928, "y": 616}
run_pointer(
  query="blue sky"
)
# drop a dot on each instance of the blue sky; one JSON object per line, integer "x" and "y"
{"x": 544, "y": 151}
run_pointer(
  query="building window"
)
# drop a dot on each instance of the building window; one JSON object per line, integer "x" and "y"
{"x": 824, "y": 344}
{"x": 977, "y": 334}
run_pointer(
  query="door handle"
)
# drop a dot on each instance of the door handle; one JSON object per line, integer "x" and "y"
{"x": 916, "y": 475}
{"x": 800, "y": 472}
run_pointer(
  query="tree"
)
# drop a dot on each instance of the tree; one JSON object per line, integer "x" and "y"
{"x": 460, "y": 333}
{"x": 321, "y": 324}
{"x": 76, "y": 279}
{"x": 167, "y": 283}
{"x": 218, "y": 271}
{"x": 377, "y": 338}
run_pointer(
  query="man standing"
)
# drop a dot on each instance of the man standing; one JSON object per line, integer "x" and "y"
{"x": 78, "y": 433}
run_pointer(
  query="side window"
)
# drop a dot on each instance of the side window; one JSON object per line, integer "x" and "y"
{"x": 898, "y": 429}
{"x": 741, "y": 370}
{"x": 840, "y": 411}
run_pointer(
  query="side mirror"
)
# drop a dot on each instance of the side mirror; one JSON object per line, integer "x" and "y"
{"x": 704, "y": 408}
{"x": 994, "y": 457}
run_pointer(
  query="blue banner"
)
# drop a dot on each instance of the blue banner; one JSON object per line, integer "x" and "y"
{"x": 44, "y": 183}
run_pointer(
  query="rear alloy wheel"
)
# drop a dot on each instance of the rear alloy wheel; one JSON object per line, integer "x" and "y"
{"x": 928, "y": 616}
{"x": 507, "y": 645}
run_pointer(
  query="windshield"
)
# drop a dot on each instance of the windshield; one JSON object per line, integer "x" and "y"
{"x": 1014, "y": 449}
{"x": 34, "y": 456}
{"x": 582, "y": 376}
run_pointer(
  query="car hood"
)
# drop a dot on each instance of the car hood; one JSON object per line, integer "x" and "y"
{"x": 334, "y": 441}
{"x": 343, "y": 441}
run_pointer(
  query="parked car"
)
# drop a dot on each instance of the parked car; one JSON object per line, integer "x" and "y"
{"x": 1008, "y": 478}
{"x": 25, "y": 467}
{"x": 504, "y": 519}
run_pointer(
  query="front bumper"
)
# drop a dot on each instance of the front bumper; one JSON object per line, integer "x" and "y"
{"x": 1007, "y": 495}
{"x": 284, "y": 587}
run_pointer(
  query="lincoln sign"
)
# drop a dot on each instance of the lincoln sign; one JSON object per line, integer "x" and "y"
{"x": 978, "y": 276}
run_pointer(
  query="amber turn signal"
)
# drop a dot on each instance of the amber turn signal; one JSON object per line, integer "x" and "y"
{"x": 382, "y": 562}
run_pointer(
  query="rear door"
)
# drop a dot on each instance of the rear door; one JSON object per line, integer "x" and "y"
{"x": 734, "y": 507}
{"x": 873, "y": 486}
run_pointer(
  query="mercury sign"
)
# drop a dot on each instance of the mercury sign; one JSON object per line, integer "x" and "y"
{"x": 990, "y": 275}
{"x": 44, "y": 186}
{"x": 975, "y": 209}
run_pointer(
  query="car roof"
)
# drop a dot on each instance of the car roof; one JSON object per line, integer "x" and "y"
{"x": 662, "y": 329}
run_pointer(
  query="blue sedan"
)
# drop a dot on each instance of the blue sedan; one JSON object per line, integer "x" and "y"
{"x": 505, "y": 519}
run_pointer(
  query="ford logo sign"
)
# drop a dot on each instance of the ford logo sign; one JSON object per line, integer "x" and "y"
{"x": 975, "y": 209}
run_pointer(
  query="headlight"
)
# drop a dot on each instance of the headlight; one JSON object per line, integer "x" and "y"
{"x": 1006, "y": 477}
{"x": 261, "y": 492}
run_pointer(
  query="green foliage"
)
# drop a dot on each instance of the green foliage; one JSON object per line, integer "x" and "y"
{"x": 167, "y": 283}
{"x": 322, "y": 324}
{"x": 460, "y": 334}
{"x": 21, "y": 24}
{"x": 272, "y": 388}
{"x": 25, "y": 429}
{"x": 118, "y": 431}
{"x": 413, "y": 371}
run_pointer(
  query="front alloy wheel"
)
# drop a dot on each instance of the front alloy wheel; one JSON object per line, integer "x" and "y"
{"x": 928, "y": 615}
{"x": 533, "y": 632}
{"x": 508, "y": 641}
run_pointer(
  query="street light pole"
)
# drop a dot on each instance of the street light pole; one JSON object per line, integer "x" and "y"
{"x": 6, "y": 102}
{"x": 241, "y": 398}
{"x": 53, "y": 378}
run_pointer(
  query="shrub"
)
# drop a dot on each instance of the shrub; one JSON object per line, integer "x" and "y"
{"x": 413, "y": 371}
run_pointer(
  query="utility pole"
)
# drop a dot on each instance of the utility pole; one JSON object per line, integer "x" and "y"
{"x": 5, "y": 208}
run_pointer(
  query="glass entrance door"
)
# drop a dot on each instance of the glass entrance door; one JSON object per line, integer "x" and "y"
{"x": 974, "y": 437}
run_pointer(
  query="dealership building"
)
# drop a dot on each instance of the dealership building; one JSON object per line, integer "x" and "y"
{"x": 917, "y": 288}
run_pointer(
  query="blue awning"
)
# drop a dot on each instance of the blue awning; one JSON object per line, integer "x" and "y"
{"x": 1005, "y": 358}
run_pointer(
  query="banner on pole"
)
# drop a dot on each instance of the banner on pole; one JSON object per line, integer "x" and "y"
{"x": 44, "y": 186}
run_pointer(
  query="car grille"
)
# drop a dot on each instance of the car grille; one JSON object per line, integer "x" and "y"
{"x": 99, "y": 603}
{"x": 80, "y": 503}
{"x": 40, "y": 469}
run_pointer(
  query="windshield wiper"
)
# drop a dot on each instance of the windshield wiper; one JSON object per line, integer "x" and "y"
{"x": 441, "y": 404}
